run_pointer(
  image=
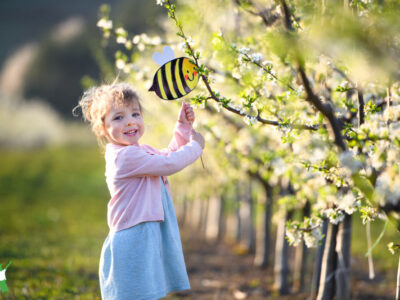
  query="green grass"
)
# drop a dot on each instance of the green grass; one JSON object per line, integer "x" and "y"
{"x": 52, "y": 222}
{"x": 53, "y": 209}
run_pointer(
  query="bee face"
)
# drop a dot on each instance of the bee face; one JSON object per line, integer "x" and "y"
{"x": 175, "y": 79}
{"x": 190, "y": 74}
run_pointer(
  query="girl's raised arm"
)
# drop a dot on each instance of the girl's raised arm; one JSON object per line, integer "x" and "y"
{"x": 183, "y": 128}
{"x": 134, "y": 161}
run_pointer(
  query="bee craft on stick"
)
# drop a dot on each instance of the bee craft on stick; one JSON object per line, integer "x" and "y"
{"x": 175, "y": 78}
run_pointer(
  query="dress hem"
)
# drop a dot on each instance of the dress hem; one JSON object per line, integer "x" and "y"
{"x": 162, "y": 294}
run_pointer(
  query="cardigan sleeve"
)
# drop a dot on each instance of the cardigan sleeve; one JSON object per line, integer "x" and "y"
{"x": 134, "y": 161}
{"x": 182, "y": 132}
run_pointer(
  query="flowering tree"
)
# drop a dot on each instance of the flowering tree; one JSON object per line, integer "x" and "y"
{"x": 316, "y": 84}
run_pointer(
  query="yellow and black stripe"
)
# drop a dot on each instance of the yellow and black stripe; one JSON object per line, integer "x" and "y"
{"x": 169, "y": 82}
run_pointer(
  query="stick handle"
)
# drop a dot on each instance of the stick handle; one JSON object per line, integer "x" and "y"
{"x": 202, "y": 163}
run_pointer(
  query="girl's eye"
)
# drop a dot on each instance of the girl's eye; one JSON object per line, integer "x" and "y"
{"x": 118, "y": 118}
{"x": 135, "y": 115}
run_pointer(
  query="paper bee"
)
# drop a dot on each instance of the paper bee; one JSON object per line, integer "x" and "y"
{"x": 175, "y": 78}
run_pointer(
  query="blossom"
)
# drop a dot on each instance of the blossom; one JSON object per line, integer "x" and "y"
{"x": 335, "y": 216}
{"x": 293, "y": 235}
{"x": 249, "y": 120}
{"x": 160, "y": 2}
{"x": 136, "y": 39}
{"x": 104, "y": 23}
{"x": 120, "y": 63}
{"x": 243, "y": 50}
{"x": 347, "y": 161}
{"x": 348, "y": 203}
{"x": 121, "y": 40}
{"x": 312, "y": 238}
{"x": 256, "y": 57}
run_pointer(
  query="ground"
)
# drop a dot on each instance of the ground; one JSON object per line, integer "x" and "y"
{"x": 217, "y": 271}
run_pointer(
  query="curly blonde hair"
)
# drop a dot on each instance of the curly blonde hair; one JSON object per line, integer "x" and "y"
{"x": 96, "y": 102}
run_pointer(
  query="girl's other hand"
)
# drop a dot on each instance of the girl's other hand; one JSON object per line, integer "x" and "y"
{"x": 196, "y": 136}
{"x": 186, "y": 115}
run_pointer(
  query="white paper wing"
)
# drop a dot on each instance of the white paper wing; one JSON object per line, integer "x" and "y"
{"x": 164, "y": 57}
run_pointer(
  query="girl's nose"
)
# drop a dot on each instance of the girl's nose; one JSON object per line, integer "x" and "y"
{"x": 129, "y": 121}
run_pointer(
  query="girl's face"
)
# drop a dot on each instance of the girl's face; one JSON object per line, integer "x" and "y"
{"x": 123, "y": 125}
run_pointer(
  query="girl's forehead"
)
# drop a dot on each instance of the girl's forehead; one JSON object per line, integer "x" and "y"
{"x": 124, "y": 105}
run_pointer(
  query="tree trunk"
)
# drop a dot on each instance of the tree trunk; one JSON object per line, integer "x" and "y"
{"x": 181, "y": 213}
{"x": 204, "y": 216}
{"x": 343, "y": 244}
{"x": 301, "y": 258}
{"x": 238, "y": 218}
{"x": 326, "y": 289}
{"x": 398, "y": 283}
{"x": 213, "y": 218}
{"x": 195, "y": 214}
{"x": 222, "y": 219}
{"x": 247, "y": 220}
{"x": 263, "y": 243}
{"x": 281, "y": 267}
{"x": 318, "y": 261}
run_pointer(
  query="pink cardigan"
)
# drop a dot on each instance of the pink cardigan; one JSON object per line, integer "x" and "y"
{"x": 133, "y": 177}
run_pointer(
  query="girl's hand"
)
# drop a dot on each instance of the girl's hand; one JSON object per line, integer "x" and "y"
{"x": 186, "y": 115}
{"x": 198, "y": 138}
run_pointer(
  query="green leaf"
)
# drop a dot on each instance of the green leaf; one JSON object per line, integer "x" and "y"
{"x": 364, "y": 185}
{"x": 378, "y": 239}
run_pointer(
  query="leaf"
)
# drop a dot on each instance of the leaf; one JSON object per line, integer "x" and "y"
{"x": 378, "y": 239}
{"x": 364, "y": 185}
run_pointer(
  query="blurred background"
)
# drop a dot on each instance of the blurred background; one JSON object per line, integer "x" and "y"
{"x": 53, "y": 195}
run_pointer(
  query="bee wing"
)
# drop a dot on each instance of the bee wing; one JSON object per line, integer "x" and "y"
{"x": 164, "y": 57}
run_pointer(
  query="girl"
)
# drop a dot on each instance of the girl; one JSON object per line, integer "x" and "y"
{"x": 141, "y": 257}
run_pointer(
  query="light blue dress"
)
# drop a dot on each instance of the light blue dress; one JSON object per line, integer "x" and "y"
{"x": 145, "y": 261}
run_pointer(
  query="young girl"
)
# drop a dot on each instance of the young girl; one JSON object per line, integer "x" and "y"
{"x": 141, "y": 257}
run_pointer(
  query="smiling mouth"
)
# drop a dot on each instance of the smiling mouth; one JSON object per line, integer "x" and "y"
{"x": 131, "y": 132}
{"x": 187, "y": 77}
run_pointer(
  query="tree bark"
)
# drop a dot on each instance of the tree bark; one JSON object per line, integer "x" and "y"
{"x": 238, "y": 218}
{"x": 343, "y": 254}
{"x": 318, "y": 261}
{"x": 398, "y": 282}
{"x": 222, "y": 219}
{"x": 263, "y": 244}
{"x": 326, "y": 289}
{"x": 213, "y": 218}
{"x": 281, "y": 267}
{"x": 249, "y": 237}
{"x": 301, "y": 259}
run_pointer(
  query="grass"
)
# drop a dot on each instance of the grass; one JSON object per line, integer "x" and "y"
{"x": 52, "y": 222}
{"x": 53, "y": 211}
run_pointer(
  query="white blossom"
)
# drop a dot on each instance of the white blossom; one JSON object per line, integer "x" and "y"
{"x": 348, "y": 161}
{"x": 121, "y": 40}
{"x": 236, "y": 73}
{"x": 120, "y": 31}
{"x": 249, "y": 120}
{"x": 160, "y": 2}
{"x": 120, "y": 63}
{"x": 335, "y": 216}
{"x": 293, "y": 235}
{"x": 312, "y": 238}
{"x": 104, "y": 23}
{"x": 136, "y": 39}
{"x": 348, "y": 203}
{"x": 243, "y": 50}
{"x": 256, "y": 57}
{"x": 268, "y": 63}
